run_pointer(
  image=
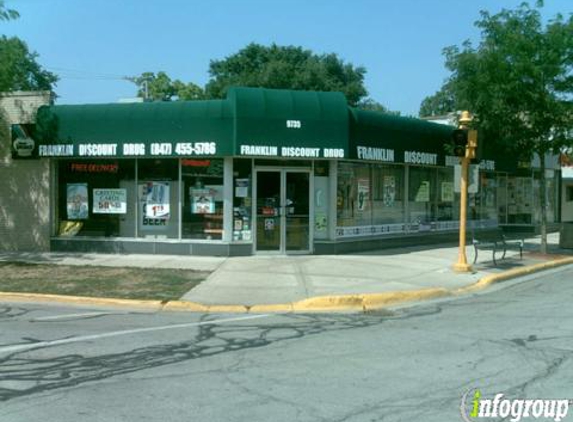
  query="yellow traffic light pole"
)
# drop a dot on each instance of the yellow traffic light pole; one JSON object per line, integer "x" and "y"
{"x": 462, "y": 265}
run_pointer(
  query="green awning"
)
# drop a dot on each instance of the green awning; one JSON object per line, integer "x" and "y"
{"x": 293, "y": 124}
{"x": 180, "y": 128}
{"x": 250, "y": 122}
{"x": 381, "y": 137}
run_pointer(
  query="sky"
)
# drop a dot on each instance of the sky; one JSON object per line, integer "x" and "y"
{"x": 93, "y": 44}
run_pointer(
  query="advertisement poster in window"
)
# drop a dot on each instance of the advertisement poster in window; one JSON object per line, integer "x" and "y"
{"x": 110, "y": 201}
{"x": 320, "y": 222}
{"x": 77, "y": 201}
{"x": 389, "y": 190}
{"x": 423, "y": 193}
{"x": 241, "y": 188}
{"x": 202, "y": 201}
{"x": 155, "y": 196}
{"x": 447, "y": 191}
{"x": 363, "y": 194}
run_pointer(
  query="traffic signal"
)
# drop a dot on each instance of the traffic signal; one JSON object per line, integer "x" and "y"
{"x": 460, "y": 138}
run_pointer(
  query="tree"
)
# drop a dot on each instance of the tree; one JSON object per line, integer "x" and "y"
{"x": 373, "y": 105}
{"x": 7, "y": 14}
{"x": 286, "y": 68}
{"x": 441, "y": 103}
{"x": 519, "y": 83}
{"x": 19, "y": 69}
{"x": 160, "y": 87}
{"x": 188, "y": 91}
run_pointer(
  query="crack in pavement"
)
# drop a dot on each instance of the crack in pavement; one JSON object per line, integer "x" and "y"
{"x": 23, "y": 375}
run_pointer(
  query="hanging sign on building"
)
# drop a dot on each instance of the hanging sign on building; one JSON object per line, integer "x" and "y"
{"x": 23, "y": 144}
{"x": 77, "y": 201}
{"x": 109, "y": 201}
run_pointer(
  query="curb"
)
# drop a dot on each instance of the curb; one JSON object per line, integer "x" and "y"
{"x": 336, "y": 303}
{"x": 81, "y": 300}
{"x": 483, "y": 282}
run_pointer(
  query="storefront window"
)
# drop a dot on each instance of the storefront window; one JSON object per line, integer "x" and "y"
{"x": 502, "y": 198}
{"x": 520, "y": 198}
{"x": 242, "y": 200}
{"x": 387, "y": 194}
{"x": 96, "y": 198}
{"x": 202, "y": 204}
{"x": 447, "y": 202}
{"x": 354, "y": 198}
{"x": 486, "y": 198}
{"x": 158, "y": 198}
{"x": 422, "y": 188}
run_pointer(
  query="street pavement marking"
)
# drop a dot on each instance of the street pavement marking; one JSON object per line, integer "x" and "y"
{"x": 64, "y": 316}
{"x": 30, "y": 346}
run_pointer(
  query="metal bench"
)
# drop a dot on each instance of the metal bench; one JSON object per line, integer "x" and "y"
{"x": 496, "y": 242}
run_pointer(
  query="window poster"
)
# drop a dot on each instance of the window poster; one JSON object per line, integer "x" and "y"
{"x": 216, "y": 192}
{"x": 363, "y": 193}
{"x": 389, "y": 194}
{"x": 202, "y": 201}
{"x": 155, "y": 196}
{"x": 320, "y": 222}
{"x": 241, "y": 188}
{"x": 109, "y": 201}
{"x": 77, "y": 201}
{"x": 447, "y": 191}
{"x": 423, "y": 194}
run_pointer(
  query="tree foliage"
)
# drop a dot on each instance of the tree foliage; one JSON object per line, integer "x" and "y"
{"x": 286, "y": 68}
{"x": 266, "y": 67}
{"x": 160, "y": 87}
{"x": 19, "y": 68}
{"x": 441, "y": 103}
{"x": 7, "y": 14}
{"x": 373, "y": 105}
{"x": 518, "y": 81}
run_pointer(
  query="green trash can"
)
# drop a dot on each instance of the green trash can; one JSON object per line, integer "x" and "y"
{"x": 566, "y": 235}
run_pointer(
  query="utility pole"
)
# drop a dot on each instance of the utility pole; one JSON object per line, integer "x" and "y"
{"x": 145, "y": 90}
{"x": 144, "y": 82}
{"x": 464, "y": 137}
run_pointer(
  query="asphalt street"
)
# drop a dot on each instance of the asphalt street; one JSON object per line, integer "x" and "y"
{"x": 65, "y": 364}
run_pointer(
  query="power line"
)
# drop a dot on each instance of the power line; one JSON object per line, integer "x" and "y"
{"x": 76, "y": 73}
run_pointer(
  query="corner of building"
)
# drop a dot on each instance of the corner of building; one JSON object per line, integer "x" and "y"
{"x": 25, "y": 189}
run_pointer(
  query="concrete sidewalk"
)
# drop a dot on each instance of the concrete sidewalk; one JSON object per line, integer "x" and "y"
{"x": 263, "y": 280}
{"x": 271, "y": 280}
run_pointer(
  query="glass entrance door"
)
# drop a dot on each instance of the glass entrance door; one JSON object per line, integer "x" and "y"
{"x": 268, "y": 214}
{"x": 297, "y": 211}
{"x": 283, "y": 211}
